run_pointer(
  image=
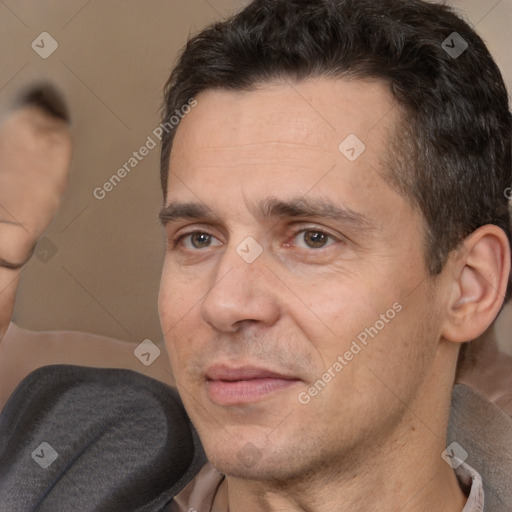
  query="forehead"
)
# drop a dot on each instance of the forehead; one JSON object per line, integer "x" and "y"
{"x": 311, "y": 115}
{"x": 321, "y": 137}
{"x": 295, "y": 130}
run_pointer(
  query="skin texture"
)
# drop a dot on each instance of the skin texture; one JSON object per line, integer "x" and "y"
{"x": 372, "y": 438}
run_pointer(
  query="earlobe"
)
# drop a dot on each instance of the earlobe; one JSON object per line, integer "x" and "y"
{"x": 480, "y": 272}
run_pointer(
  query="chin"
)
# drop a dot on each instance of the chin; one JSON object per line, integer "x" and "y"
{"x": 259, "y": 460}
{"x": 245, "y": 470}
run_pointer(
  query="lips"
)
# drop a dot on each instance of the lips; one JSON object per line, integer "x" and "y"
{"x": 224, "y": 372}
{"x": 227, "y": 385}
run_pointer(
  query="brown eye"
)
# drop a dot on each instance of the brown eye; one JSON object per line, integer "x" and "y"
{"x": 198, "y": 240}
{"x": 313, "y": 239}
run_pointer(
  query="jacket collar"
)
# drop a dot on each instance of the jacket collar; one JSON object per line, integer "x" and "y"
{"x": 485, "y": 433}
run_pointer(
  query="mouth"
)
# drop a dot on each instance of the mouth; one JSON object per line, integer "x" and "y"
{"x": 227, "y": 385}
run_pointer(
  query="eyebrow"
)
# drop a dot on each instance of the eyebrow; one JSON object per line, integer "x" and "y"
{"x": 176, "y": 210}
{"x": 272, "y": 208}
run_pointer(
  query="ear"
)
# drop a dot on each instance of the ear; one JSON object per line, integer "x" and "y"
{"x": 478, "y": 275}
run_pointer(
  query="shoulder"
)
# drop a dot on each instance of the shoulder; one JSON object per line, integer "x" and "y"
{"x": 484, "y": 432}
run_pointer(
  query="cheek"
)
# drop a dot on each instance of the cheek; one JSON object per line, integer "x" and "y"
{"x": 8, "y": 287}
{"x": 340, "y": 308}
{"x": 165, "y": 299}
{"x": 177, "y": 297}
{"x": 179, "y": 303}
{"x": 360, "y": 320}
{"x": 171, "y": 309}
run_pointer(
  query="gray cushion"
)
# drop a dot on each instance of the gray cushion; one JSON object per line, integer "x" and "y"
{"x": 123, "y": 442}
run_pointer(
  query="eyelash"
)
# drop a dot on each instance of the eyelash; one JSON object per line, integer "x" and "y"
{"x": 178, "y": 240}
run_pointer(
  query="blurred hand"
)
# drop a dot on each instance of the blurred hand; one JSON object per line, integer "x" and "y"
{"x": 35, "y": 154}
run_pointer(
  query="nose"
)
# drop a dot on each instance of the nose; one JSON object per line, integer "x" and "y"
{"x": 244, "y": 293}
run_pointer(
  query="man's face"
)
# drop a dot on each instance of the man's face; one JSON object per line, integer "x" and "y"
{"x": 294, "y": 291}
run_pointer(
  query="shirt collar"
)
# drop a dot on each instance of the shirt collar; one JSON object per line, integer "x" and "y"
{"x": 469, "y": 477}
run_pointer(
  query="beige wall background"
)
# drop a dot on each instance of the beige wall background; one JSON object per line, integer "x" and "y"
{"x": 99, "y": 268}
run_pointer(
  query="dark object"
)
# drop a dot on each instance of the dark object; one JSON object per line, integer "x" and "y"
{"x": 46, "y": 97}
{"x": 83, "y": 439}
